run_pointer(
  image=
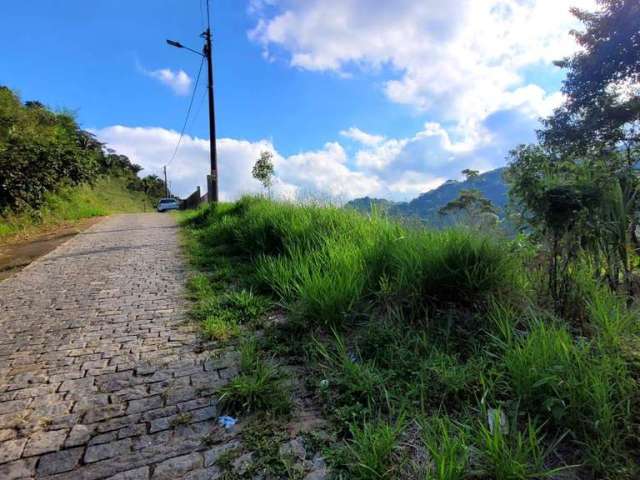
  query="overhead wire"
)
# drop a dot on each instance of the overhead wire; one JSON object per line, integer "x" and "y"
{"x": 186, "y": 120}
{"x": 204, "y": 24}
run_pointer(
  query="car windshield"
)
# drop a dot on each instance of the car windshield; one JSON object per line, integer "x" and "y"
{"x": 167, "y": 200}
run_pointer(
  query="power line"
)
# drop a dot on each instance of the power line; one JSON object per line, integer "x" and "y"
{"x": 198, "y": 109}
{"x": 204, "y": 24}
{"x": 186, "y": 120}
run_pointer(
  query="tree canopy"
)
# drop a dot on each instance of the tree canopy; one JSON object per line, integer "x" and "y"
{"x": 42, "y": 150}
{"x": 263, "y": 169}
{"x": 602, "y": 87}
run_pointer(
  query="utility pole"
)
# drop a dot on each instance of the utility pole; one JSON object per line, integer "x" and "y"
{"x": 207, "y": 53}
{"x": 166, "y": 185}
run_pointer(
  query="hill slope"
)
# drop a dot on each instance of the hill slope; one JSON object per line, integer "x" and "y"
{"x": 107, "y": 195}
{"x": 426, "y": 205}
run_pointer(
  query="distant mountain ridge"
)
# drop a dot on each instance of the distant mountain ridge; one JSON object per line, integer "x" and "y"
{"x": 426, "y": 205}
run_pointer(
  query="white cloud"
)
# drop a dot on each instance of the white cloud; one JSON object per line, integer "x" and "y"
{"x": 461, "y": 60}
{"x": 325, "y": 173}
{"x": 395, "y": 168}
{"x": 364, "y": 138}
{"x": 314, "y": 173}
{"x": 410, "y": 184}
{"x": 179, "y": 81}
{"x": 153, "y": 147}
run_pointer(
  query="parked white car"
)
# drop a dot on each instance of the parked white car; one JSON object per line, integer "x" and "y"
{"x": 166, "y": 204}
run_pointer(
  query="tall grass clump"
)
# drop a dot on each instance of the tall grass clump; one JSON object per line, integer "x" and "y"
{"x": 328, "y": 265}
{"x": 456, "y": 266}
{"x": 449, "y": 447}
{"x": 576, "y": 387}
{"x": 261, "y": 386}
{"x": 370, "y": 454}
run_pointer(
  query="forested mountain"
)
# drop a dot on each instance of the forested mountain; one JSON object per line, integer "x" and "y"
{"x": 425, "y": 207}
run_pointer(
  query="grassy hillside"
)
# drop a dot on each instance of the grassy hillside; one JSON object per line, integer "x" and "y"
{"x": 426, "y": 205}
{"x": 54, "y": 172}
{"x": 432, "y": 354}
{"x": 106, "y": 196}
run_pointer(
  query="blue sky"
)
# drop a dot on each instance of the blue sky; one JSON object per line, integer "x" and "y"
{"x": 352, "y": 97}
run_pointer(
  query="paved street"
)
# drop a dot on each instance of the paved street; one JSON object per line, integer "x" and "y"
{"x": 99, "y": 371}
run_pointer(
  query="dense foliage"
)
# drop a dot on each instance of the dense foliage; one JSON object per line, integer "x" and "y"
{"x": 42, "y": 151}
{"x": 578, "y": 188}
{"x": 603, "y": 82}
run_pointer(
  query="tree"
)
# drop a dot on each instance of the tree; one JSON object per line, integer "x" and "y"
{"x": 471, "y": 207}
{"x": 42, "y": 151}
{"x": 263, "y": 170}
{"x": 576, "y": 206}
{"x": 577, "y": 189}
{"x": 602, "y": 88}
{"x": 470, "y": 175}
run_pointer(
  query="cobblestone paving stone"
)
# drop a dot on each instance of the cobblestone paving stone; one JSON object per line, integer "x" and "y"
{"x": 100, "y": 374}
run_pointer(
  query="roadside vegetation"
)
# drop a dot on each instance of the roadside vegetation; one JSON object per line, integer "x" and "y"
{"x": 107, "y": 195}
{"x": 54, "y": 172}
{"x": 433, "y": 353}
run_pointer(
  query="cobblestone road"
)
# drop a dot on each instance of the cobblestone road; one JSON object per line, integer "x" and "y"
{"x": 99, "y": 371}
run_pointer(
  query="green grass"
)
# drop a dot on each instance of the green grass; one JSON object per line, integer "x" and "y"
{"x": 260, "y": 387}
{"x": 106, "y": 196}
{"x": 370, "y": 454}
{"x": 449, "y": 448}
{"x": 442, "y": 328}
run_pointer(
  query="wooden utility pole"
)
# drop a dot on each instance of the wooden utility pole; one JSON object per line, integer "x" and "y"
{"x": 208, "y": 53}
{"x": 166, "y": 185}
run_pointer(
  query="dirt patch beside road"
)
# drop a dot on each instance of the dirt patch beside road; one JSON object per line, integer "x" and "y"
{"x": 14, "y": 256}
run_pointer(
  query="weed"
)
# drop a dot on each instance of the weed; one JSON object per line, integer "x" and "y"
{"x": 449, "y": 449}
{"x": 245, "y": 304}
{"x": 352, "y": 383}
{"x": 370, "y": 452}
{"x": 264, "y": 437}
{"x": 220, "y": 328}
{"x": 199, "y": 286}
{"x": 183, "y": 418}
{"x": 418, "y": 321}
{"x": 260, "y": 387}
{"x": 510, "y": 454}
